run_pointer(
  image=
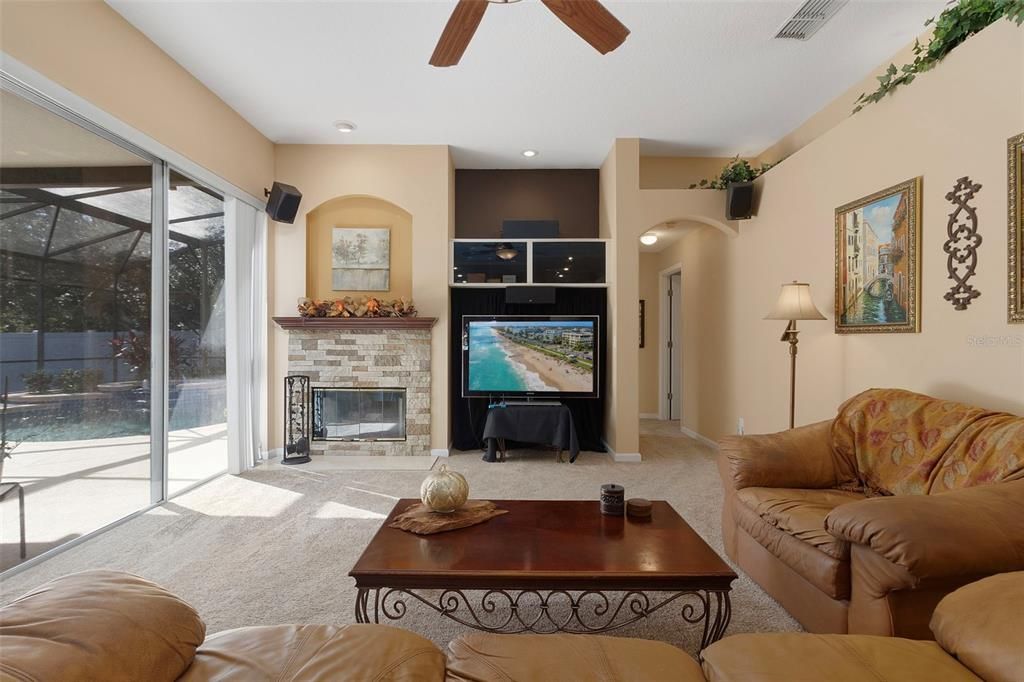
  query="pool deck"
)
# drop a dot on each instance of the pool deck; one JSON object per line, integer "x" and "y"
{"x": 75, "y": 487}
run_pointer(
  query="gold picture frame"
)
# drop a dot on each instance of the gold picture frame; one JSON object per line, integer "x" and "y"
{"x": 1015, "y": 236}
{"x": 878, "y": 262}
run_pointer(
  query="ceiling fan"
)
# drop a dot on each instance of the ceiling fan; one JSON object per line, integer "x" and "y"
{"x": 588, "y": 18}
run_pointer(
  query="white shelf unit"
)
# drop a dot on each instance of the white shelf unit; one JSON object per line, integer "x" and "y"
{"x": 452, "y": 271}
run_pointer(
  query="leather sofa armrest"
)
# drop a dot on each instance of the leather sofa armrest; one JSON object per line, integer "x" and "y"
{"x": 98, "y": 625}
{"x": 973, "y": 531}
{"x": 798, "y": 458}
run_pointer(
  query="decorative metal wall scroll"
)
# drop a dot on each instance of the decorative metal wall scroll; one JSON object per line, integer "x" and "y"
{"x": 296, "y": 420}
{"x": 962, "y": 245}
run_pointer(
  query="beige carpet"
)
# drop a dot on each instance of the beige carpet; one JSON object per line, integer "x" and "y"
{"x": 275, "y": 545}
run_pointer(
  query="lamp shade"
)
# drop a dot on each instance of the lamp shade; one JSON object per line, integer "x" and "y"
{"x": 795, "y": 303}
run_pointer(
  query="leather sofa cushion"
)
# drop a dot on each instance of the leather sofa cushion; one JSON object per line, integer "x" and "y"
{"x": 828, "y": 574}
{"x": 897, "y": 438}
{"x": 317, "y": 653}
{"x": 801, "y": 513}
{"x": 98, "y": 625}
{"x": 480, "y": 657}
{"x": 981, "y": 625}
{"x": 801, "y": 657}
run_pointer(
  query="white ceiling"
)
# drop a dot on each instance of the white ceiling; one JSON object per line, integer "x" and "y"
{"x": 700, "y": 78}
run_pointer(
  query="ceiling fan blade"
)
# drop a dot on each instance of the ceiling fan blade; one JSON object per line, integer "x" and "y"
{"x": 591, "y": 21}
{"x": 458, "y": 32}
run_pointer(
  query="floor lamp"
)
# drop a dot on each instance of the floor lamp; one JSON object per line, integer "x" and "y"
{"x": 794, "y": 304}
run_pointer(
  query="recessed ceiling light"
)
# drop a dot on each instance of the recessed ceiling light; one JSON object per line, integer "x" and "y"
{"x": 345, "y": 126}
{"x": 529, "y": 153}
{"x": 648, "y": 239}
{"x": 566, "y": 269}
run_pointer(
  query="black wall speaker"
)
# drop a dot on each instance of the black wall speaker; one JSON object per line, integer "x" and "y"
{"x": 283, "y": 202}
{"x": 529, "y": 294}
{"x": 739, "y": 201}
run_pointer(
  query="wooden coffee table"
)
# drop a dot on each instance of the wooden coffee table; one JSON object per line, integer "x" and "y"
{"x": 547, "y": 566}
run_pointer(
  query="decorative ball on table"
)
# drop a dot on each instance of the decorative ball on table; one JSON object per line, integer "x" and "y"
{"x": 444, "y": 490}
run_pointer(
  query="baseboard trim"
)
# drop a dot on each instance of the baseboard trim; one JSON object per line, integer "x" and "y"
{"x": 650, "y": 415}
{"x": 441, "y": 452}
{"x": 622, "y": 457}
{"x": 696, "y": 436}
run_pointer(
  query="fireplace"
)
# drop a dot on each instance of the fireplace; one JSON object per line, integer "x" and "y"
{"x": 358, "y": 414}
{"x": 380, "y": 355}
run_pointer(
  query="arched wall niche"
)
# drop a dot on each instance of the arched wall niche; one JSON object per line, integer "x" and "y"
{"x": 357, "y": 211}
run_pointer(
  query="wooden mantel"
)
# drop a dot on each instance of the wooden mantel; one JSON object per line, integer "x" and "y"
{"x": 355, "y": 323}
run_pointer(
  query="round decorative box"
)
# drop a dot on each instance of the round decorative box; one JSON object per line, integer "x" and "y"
{"x": 444, "y": 491}
{"x": 612, "y": 499}
{"x": 638, "y": 508}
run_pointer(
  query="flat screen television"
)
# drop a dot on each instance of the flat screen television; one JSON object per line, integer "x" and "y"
{"x": 552, "y": 356}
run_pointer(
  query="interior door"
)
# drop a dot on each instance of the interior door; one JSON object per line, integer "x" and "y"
{"x": 675, "y": 349}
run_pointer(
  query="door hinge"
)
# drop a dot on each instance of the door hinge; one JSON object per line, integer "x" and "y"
{"x": 671, "y": 344}
{"x": 670, "y": 292}
{"x": 669, "y": 396}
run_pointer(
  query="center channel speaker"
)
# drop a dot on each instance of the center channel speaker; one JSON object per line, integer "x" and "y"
{"x": 283, "y": 202}
{"x": 529, "y": 295}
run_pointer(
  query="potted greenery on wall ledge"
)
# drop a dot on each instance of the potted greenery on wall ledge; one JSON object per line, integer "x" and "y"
{"x": 737, "y": 179}
{"x": 955, "y": 25}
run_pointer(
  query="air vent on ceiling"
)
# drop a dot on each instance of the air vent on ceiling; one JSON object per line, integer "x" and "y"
{"x": 811, "y": 16}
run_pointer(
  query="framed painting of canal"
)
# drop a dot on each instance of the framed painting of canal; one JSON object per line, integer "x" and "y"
{"x": 1015, "y": 210}
{"x": 878, "y": 265}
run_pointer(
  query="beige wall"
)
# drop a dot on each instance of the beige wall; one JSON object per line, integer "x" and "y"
{"x": 357, "y": 212}
{"x": 950, "y": 122}
{"x": 88, "y": 48}
{"x": 417, "y": 179}
{"x": 679, "y": 172}
{"x": 648, "y": 357}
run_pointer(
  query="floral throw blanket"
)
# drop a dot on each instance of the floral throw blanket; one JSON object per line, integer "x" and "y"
{"x": 904, "y": 443}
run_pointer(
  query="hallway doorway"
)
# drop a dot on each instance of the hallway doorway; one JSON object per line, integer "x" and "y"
{"x": 670, "y": 345}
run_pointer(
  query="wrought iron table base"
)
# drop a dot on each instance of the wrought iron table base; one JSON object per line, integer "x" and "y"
{"x": 548, "y": 611}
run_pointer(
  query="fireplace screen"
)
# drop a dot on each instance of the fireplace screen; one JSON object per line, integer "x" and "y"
{"x": 359, "y": 414}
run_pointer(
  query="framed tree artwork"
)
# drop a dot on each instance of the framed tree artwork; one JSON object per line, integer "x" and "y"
{"x": 361, "y": 259}
{"x": 1015, "y": 211}
{"x": 878, "y": 262}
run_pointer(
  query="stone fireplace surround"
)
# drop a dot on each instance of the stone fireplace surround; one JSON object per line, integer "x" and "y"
{"x": 367, "y": 353}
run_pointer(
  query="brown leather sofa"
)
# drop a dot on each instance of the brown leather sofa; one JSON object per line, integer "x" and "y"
{"x": 863, "y": 523}
{"x": 111, "y": 626}
{"x": 116, "y": 627}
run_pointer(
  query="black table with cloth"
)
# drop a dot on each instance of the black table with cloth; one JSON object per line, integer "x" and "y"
{"x": 526, "y": 423}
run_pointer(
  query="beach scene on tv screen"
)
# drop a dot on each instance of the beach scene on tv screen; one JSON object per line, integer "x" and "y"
{"x": 544, "y": 356}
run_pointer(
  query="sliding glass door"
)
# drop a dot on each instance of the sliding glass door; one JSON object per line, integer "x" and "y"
{"x": 196, "y": 351}
{"x": 113, "y": 322}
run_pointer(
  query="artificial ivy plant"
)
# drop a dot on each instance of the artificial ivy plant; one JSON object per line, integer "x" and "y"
{"x": 737, "y": 170}
{"x": 955, "y": 25}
